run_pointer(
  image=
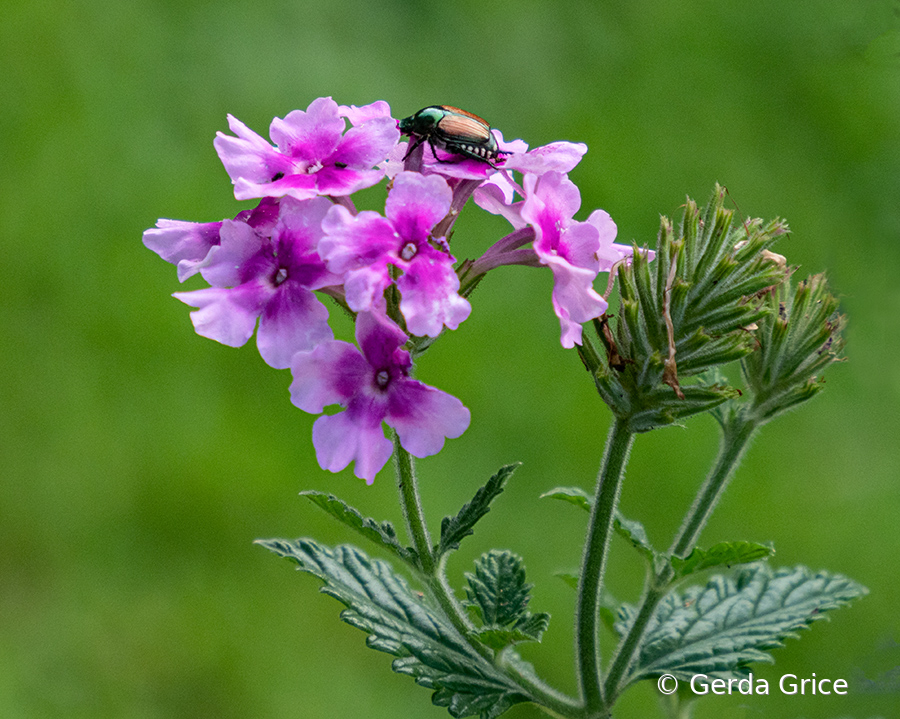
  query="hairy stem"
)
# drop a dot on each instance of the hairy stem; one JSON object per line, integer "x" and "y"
{"x": 435, "y": 575}
{"x": 412, "y": 506}
{"x": 596, "y": 544}
{"x": 735, "y": 440}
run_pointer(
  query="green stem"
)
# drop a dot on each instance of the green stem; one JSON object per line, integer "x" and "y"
{"x": 435, "y": 575}
{"x": 412, "y": 507}
{"x": 735, "y": 440}
{"x": 596, "y": 544}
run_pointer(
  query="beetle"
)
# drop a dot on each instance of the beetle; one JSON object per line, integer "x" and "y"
{"x": 453, "y": 130}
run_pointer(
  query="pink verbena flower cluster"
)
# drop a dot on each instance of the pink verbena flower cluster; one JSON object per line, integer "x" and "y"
{"x": 306, "y": 236}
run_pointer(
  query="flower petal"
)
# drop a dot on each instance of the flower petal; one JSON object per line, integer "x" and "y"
{"x": 424, "y": 416}
{"x": 339, "y": 440}
{"x": 416, "y": 204}
{"x": 185, "y": 244}
{"x": 309, "y": 137}
{"x": 430, "y": 299}
{"x": 226, "y": 315}
{"x": 293, "y": 320}
{"x": 332, "y": 373}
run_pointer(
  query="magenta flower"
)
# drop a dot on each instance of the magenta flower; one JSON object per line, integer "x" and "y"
{"x": 363, "y": 248}
{"x": 312, "y": 154}
{"x": 570, "y": 248}
{"x": 187, "y": 244}
{"x": 373, "y": 385}
{"x": 268, "y": 275}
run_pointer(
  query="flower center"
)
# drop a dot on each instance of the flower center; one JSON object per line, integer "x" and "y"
{"x": 280, "y": 276}
{"x": 382, "y": 378}
{"x": 408, "y": 251}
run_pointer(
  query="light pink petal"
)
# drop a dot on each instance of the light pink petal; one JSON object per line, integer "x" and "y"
{"x": 417, "y": 203}
{"x": 248, "y": 155}
{"x": 423, "y": 416}
{"x": 226, "y": 262}
{"x": 185, "y": 244}
{"x": 579, "y": 244}
{"x": 339, "y": 440}
{"x": 332, "y": 373}
{"x": 574, "y": 299}
{"x": 366, "y": 145}
{"x": 555, "y": 157}
{"x": 309, "y": 137}
{"x": 430, "y": 298}
{"x": 226, "y": 315}
{"x": 496, "y": 197}
{"x": 359, "y": 115}
{"x": 355, "y": 241}
{"x": 300, "y": 223}
{"x": 293, "y": 320}
{"x": 364, "y": 288}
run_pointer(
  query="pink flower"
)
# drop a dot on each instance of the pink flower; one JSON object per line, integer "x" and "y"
{"x": 363, "y": 248}
{"x": 312, "y": 154}
{"x": 373, "y": 384}
{"x": 270, "y": 274}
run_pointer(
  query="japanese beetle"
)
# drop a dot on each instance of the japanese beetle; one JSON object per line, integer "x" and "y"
{"x": 453, "y": 130}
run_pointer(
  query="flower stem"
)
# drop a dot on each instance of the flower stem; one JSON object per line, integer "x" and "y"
{"x": 587, "y": 654}
{"x": 412, "y": 506}
{"x": 435, "y": 575}
{"x": 735, "y": 440}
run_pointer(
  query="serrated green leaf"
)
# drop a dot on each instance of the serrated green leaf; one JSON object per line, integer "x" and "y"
{"x": 724, "y": 554}
{"x": 531, "y": 629}
{"x": 382, "y": 533}
{"x": 400, "y": 622}
{"x": 498, "y": 593}
{"x": 721, "y": 628}
{"x": 634, "y": 532}
{"x": 572, "y": 495}
{"x": 498, "y": 589}
{"x": 455, "y": 529}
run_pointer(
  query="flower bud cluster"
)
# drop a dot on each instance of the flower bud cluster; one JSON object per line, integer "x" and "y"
{"x": 394, "y": 271}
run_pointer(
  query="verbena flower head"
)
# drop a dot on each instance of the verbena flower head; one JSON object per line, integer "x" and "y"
{"x": 393, "y": 270}
{"x": 363, "y": 248}
{"x": 312, "y": 154}
{"x": 373, "y": 384}
{"x": 268, "y": 275}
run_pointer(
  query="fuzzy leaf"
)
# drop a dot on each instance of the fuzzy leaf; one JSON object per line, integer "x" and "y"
{"x": 531, "y": 629}
{"x": 455, "y": 529}
{"x": 634, "y": 532}
{"x": 572, "y": 495}
{"x": 382, "y": 533}
{"x": 723, "y": 554}
{"x": 400, "y": 622}
{"x": 498, "y": 589}
{"x": 723, "y": 627}
{"x": 499, "y": 595}
{"x": 631, "y": 530}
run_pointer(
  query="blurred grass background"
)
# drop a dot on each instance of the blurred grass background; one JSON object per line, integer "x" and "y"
{"x": 139, "y": 461}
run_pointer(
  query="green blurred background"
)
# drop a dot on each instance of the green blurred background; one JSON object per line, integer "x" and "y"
{"x": 139, "y": 461}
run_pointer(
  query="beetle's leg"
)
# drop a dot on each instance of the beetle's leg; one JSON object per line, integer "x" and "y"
{"x": 434, "y": 153}
{"x": 413, "y": 146}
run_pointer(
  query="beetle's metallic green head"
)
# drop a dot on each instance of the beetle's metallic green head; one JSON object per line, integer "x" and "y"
{"x": 423, "y": 122}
